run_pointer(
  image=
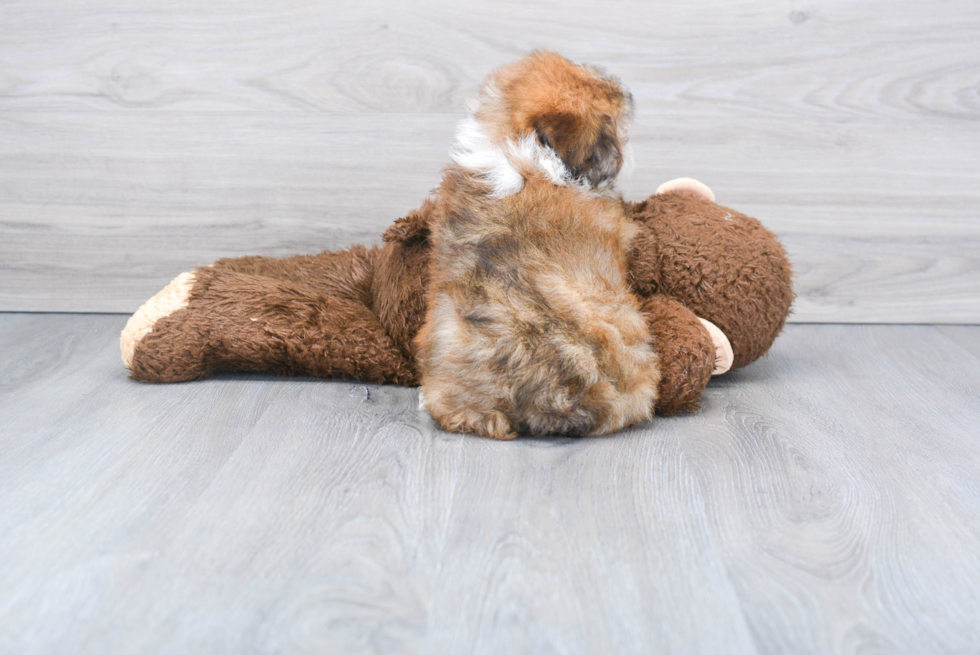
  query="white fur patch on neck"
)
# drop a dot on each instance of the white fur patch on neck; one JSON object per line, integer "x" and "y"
{"x": 475, "y": 151}
{"x": 501, "y": 166}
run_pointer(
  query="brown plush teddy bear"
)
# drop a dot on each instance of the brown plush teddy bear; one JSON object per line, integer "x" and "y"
{"x": 714, "y": 283}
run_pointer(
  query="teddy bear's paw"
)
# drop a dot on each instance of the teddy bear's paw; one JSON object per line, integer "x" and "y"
{"x": 724, "y": 355}
{"x": 687, "y": 184}
{"x": 172, "y": 297}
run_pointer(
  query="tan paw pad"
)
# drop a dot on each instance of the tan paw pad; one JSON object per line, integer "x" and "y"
{"x": 171, "y": 298}
{"x": 724, "y": 355}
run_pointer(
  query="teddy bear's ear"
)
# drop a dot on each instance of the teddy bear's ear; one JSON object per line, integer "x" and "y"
{"x": 687, "y": 184}
{"x": 414, "y": 227}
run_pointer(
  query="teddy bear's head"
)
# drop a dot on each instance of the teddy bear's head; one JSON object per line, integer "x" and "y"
{"x": 721, "y": 264}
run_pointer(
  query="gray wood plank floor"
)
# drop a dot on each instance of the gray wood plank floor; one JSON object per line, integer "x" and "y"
{"x": 825, "y": 500}
{"x": 140, "y": 139}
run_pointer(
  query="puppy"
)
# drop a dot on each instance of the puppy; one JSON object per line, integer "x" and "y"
{"x": 531, "y": 327}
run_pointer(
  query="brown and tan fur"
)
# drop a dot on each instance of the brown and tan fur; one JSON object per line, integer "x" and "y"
{"x": 531, "y": 325}
{"x": 354, "y": 313}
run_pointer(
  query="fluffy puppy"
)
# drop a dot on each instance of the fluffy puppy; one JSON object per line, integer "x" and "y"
{"x": 531, "y": 327}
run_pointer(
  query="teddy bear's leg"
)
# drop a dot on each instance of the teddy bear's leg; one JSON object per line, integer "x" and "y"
{"x": 222, "y": 319}
{"x": 686, "y": 351}
{"x": 165, "y": 355}
{"x": 350, "y": 268}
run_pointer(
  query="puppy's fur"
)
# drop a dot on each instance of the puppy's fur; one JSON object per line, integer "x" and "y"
{"x": 531, "y": 326}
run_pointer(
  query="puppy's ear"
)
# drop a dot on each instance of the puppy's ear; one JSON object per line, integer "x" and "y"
{"x": 414, "y": 227}
{"x": 590, "y": 152}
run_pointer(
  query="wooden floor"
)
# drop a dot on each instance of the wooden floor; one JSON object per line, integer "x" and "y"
{"x": 826, "y": 499}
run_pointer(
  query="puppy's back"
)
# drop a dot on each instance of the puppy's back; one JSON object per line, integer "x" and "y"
{"x": 532, "y": 328}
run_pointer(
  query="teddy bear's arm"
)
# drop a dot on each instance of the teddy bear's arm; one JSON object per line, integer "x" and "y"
{"x": 414, "y": 226}
{"x": 686, "y": 351}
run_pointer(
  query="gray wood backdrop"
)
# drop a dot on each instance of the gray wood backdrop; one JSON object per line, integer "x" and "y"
{"x": 139, "y": 139}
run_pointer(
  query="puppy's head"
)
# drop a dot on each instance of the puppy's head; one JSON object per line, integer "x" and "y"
{"x": 578, "y": 111}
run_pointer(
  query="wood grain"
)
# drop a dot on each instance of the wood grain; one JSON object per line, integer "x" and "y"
{"x": 824, "y": 500}
{"x": 136, "y": 141}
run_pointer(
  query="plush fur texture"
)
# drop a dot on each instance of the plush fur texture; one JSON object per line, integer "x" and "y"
{"x": 531, "y": 325}
{"x": 721, "y": 264}
{"x": 691, "y": 258}
{"x": 307, "y": 315}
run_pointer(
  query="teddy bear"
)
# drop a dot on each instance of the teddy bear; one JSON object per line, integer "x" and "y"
{"x": 714, "y": 284}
